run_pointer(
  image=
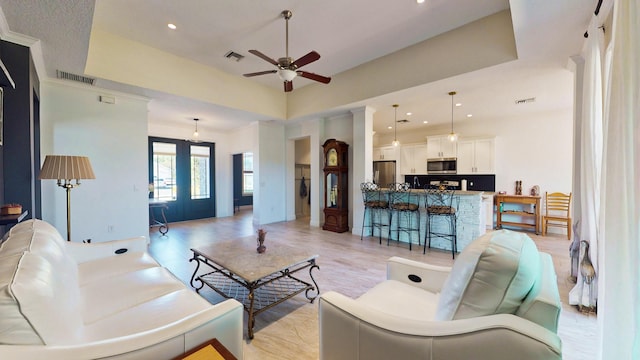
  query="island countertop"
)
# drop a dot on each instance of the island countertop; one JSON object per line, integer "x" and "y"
{"x": 471, "y": 223}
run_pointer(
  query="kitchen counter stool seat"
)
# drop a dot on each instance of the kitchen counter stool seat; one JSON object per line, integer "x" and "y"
{"x": 439, "y": 203}
{"x": 376, "y": 204}
{"x": 405, "y": 208}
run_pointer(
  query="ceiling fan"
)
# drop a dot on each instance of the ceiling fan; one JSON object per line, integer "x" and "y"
{"x": 287, "y": 67}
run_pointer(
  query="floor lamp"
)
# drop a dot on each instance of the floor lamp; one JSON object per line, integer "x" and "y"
{"x": 66, "y": 169}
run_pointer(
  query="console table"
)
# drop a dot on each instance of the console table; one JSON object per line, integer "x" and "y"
{"x": 162, "y": 223}
{"x": 503, "y": 207}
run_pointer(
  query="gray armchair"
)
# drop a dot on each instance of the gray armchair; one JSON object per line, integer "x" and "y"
{"x": 499, "y": 301}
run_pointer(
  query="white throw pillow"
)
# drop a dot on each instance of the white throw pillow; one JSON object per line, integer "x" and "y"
{"x": 492, "y": 275}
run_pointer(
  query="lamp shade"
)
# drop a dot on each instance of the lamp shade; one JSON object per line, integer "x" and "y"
{"x": 63, "y": 167}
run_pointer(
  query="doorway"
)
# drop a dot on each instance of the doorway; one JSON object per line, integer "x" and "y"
{"x": 181, "y": 173}
{"x": 303, "y": 185}
{"x": 242, "y": 181}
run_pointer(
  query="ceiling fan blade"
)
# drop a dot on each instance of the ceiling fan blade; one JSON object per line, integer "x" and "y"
{"x": 264, "y": 57}
{"x": 316, "y": 77}
{"x": 261, "y": 73}
{"x": 288, "y": 86}
{"x": 307, "y": 59}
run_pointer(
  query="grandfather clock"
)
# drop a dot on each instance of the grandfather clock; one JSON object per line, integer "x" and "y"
{"x": 336, "y": 185}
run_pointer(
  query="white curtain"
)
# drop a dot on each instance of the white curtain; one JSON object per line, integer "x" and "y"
{"x": 590, "y": 162}
{"x": 619, "y": 255}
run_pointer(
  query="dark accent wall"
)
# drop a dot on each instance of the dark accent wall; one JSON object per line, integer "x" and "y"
{"x": 17, "y": 152}
{"x": 474, "y": 182}
{"x": 237, "y": 182}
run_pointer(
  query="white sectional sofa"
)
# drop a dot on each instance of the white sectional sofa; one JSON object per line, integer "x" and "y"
{"x": 65, "y": 300}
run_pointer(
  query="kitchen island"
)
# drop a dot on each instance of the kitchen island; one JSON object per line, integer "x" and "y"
{"x": 471, "y": 221}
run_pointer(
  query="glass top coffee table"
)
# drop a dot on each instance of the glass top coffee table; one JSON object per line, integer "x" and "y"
{"x": 259, "y": 281}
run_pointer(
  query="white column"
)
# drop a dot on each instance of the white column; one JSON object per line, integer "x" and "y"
{"x": 362, "y": 161}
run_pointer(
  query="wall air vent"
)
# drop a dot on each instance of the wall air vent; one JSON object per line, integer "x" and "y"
{"x": 232, "y": 55}
{"x": 525, "y": 101}
{"x": 74, "y": 77}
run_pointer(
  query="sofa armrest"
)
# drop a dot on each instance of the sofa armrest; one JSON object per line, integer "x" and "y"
{"x": 82, "y": 252}
{"x": 222, "y": 321}
{"x": 425, "y": 276}
{"x": 351, "y": 330}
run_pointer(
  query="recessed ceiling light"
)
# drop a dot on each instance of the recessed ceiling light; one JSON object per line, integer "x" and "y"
{"x": 408, "y": 114}
{"x": 458, "y": 104}
{"x": 172, "y": 26}
{"x": 425, "y": 122}
{"x": 419, "y": 1}
{"x": 389, "y": 127}
{"x": 469, "y": 115}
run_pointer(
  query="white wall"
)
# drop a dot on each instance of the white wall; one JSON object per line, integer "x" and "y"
{"x": 114, "y": 137}
{"x": 269, "y": 174}
{"x": 537, "y": 150}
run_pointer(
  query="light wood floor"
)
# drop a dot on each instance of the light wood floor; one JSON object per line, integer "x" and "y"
{"x": 347, "y": 265}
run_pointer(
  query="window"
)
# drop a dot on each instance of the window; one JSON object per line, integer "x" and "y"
{"x": 200, "y": 162}
{"x": 247, "y": 174}
{"x": 164, "y": 171}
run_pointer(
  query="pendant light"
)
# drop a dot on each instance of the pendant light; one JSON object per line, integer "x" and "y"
{"x": 395, "y": 131}
{"x": 195, "y": 133}
{"x": 453, "y": 136}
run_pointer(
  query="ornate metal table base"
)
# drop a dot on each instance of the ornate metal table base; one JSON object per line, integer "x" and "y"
{"x": 163, "y": 224}
{"x": 260, "y": 295}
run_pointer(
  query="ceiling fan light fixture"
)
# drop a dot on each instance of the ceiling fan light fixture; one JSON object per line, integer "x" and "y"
{"x": 287, "y": 75}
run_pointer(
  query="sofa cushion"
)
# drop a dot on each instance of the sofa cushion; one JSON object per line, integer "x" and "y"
{"x": 492, "y": 275}
{"x": 14, "y": 328}
{"x": 102, "y": 299}
{"x": 48, "y": 298}
{"x": 97, "y": 270}
{"x": 152, "y": 314}
{"x": 402, "y": 300}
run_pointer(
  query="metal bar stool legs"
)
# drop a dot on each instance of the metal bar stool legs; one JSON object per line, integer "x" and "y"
{"x": 405, "y": 208}
{"x": 439, "y": 204}
{"x": 377, "y": 206}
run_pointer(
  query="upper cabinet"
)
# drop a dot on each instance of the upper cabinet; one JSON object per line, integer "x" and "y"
{"x": 413, "y": 159}
{"x": 385, "y": 153}
{"x": 476, "y": 156}
{"x": 440, "y": 147}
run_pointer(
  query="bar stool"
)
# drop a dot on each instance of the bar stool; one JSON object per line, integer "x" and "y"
{"x": 405, "y": 207}
{"x": 376, "y": 204}
{"x": 439, "y": 203}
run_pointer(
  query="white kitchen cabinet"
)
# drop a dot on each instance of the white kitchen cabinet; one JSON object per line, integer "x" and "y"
{"x": 440, "y": 147}
{"x": 413, "y": 159}
{"x": 476, "y": 156}
{"x": 385, "y": 153}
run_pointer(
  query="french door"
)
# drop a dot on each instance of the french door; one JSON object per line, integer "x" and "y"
{"x": 181, "y": 174}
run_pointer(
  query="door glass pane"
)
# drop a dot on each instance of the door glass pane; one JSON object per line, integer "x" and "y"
{"x": 247, "y": 174}
{"x": 200, "y": 160}
{"x": 164, "y": 171}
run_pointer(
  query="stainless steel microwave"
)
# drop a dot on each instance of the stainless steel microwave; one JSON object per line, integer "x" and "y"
{"x": 442, "y": 166}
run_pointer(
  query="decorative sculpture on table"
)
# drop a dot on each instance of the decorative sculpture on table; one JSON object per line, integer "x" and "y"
{"x": 518, "y": 187}
{"x": 261, "y": 235}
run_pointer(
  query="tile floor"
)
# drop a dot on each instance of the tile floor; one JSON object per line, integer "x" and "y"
{"x": 347, "y": 265}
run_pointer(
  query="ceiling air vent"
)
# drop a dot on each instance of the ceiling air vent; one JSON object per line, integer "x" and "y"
{"x": 232, "y": 55}
{"x": 403, "y": 121}
{"x": 525, "y": 101}
{"x": 74, "y": 77}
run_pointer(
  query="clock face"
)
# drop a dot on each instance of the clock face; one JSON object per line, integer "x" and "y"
{"x": 332, "y": 157}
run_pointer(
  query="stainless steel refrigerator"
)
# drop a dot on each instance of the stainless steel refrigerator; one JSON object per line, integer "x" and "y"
{"x": 384, "y": 172}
